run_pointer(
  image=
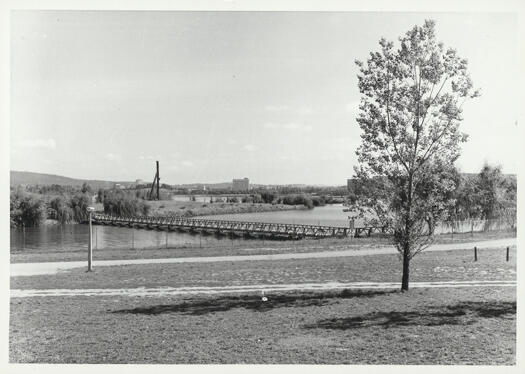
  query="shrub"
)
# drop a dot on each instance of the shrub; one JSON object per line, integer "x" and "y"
{"x": 79, "y": 204}
{"x": 26, "y": 210}
{"x": 60, "y": 210}
{"x": 120, "y": 204}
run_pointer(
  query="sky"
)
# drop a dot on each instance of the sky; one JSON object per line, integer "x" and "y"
{"x": 213, "y": 96}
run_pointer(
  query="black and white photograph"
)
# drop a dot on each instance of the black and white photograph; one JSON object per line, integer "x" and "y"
{"x": 240, "y": 184}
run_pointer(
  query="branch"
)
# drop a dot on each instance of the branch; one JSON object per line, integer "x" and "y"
{"x": 388, "y": 124}
{"x": 433, "y": 100}
{"x": 425, "y": 158}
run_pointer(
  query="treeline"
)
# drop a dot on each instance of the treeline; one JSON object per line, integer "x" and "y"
{"x": 33, "y": 205}
{"x": 487, "y": 195}
{"x": 57, "y": 189}
{"x": 269, "y": 197}
{"x": 484, "y": 196}
{"x": 29, "y": 209}
{"x": 280, "y": 190}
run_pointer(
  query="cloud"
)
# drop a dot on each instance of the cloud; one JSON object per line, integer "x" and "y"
{"x": 288, "y": 126}
{"x": 305, "y": 111}
{"x": 301, "y": 110}
{"x": 38, "y": 143}
{"x": 249, "y": 147}
{"x": 187, "y": 163}
{"x": 276, "y": 108}
{"x": 232, "y": 141}
{"x": 113, "y": 157}
{"x": 150, "y": 158}
{"x": 297, "y": 126}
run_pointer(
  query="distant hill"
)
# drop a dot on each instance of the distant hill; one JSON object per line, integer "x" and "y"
{"x": 30, "y": 178}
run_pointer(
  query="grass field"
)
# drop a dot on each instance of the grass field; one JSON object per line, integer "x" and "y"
{"x": 430, "y": 326}
{"x": 423, "y": 326}
{"x": 427, "y": 266}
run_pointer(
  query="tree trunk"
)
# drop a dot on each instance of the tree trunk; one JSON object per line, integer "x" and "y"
{"x": 406, "y": 263}
{"x": 407, "y": 242}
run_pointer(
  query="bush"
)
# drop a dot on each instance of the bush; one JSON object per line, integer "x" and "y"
{"x": 297, "y": 199}
{"x": 79, "y": 204}
{"x": 26, "y": 210}
{"x": 60, "y": 210}
{"x": 118, "y": 203}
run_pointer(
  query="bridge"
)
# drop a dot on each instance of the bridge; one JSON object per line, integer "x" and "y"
{"x": 241, "y": 228}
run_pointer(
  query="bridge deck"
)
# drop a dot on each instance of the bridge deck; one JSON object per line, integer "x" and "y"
{"x": 221, "y": 226}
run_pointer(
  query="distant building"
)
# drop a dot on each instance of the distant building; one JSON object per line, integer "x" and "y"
{"x": 240, "y": 185}
{"x": 139, "y": 182}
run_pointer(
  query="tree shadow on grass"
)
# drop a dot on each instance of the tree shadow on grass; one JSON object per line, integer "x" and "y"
{"x": 251, "y": 302}
{"x": 465, "y": 313}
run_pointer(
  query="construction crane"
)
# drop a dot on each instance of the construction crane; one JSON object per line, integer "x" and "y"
{"x": 156, "y": 181}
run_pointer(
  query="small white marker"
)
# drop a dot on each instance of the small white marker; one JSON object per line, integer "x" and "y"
{"x": 264, "y": 298}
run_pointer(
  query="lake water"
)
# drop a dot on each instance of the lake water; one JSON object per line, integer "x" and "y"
{"x": 329, "y": 215}
{"x": 57, "y": 238}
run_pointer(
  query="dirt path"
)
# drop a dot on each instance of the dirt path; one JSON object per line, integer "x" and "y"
{"x": 40, "y": 268}
{"x": 256, "y": 288}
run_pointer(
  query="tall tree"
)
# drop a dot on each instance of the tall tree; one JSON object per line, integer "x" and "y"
{"x": 410, "y": 111}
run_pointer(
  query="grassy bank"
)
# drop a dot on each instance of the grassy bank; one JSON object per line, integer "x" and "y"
{"x": 227, "y": 246}
{"x": 196, "y": 208}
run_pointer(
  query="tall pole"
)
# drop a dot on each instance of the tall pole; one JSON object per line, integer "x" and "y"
{"x": 158, "y": 181}
{"x": 90, "y": 243}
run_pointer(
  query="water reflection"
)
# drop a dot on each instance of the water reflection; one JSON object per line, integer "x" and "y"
{"x": 62, "y": 238}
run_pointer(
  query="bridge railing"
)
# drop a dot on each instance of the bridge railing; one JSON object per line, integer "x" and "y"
{"x": 228, "y": 225}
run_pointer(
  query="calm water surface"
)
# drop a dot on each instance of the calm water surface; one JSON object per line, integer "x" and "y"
{"x": 57, "y": 238}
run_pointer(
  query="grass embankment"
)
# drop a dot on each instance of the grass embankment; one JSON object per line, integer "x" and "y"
{"x": 227, "y": 246}
{"x": 196, "y": 208}
{"x": 423, "y": 326}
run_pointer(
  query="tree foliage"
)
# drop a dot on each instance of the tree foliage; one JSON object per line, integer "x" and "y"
{"x": 119, "y": 203}
{"x": 410, "y": 111}
{"x": 26, "y": 210}
{"x": 487, "y": 195}
{"x": 78, "y": 205}
{"x": 59, "y": 209}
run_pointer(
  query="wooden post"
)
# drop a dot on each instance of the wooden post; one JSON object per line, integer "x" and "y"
{"x": 507, "y": 254}
{"x": 475, "y": 254}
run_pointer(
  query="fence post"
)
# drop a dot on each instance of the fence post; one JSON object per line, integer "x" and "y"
{"x": 475, "y": 254}
{"x": 507, "y": 254}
